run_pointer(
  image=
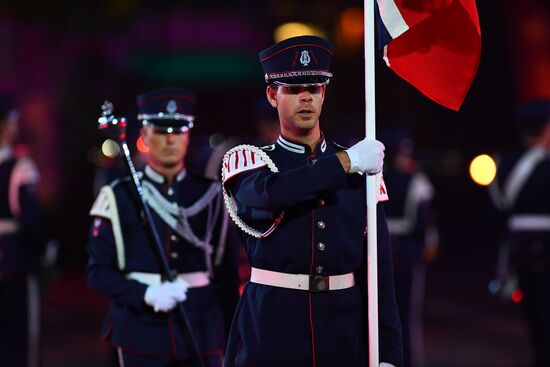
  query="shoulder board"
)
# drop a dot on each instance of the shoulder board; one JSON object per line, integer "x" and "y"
{"x": 105, "y": 207}
{"x": 338, "y": 146}
{"x": 382, "y": 194}
{"x": 268, "y": 148}
{"x": 104, "y": 204}
{"x": 243, "y": 158}
{"x": 124, "y": 180}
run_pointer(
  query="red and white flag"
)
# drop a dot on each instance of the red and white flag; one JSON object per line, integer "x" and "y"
{"x": 433, "y": 44}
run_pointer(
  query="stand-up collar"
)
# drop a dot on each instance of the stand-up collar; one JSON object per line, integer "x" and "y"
{"x": 299, "y": 148}
{"x": 159, "y": 178}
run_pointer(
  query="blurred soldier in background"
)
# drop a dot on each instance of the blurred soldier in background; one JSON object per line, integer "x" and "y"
{"x": 413, "y": 234}
{"x": 188, "y": 213}
{"x": 21, "y": 247}
{"x": 521, "y": 192}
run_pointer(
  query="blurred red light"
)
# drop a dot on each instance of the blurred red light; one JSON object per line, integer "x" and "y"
{"x": 517, "y": 296}
{"x": 140, "y": 145}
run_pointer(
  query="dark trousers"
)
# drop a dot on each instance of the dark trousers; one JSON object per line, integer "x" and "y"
{"x": 536, "y": 285}
{"x": 136, "y": 360}
{"x": 409, "y": 293}
{"x": 530, "y": 258}
{"x": 19, "y": 322}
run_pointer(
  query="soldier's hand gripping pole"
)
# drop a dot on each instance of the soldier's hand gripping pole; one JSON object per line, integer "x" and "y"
{"x": 115, "y": 128}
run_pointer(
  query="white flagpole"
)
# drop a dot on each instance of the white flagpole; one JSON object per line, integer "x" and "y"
{"x": 370, "y": 131}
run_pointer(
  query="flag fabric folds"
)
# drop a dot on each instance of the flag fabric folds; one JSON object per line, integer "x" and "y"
{"x": 433, "y": 44}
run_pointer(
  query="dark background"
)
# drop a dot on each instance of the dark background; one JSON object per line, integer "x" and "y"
{"x": 63, "y": 58}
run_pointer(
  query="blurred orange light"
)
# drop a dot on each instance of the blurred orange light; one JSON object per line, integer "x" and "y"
{"x": 294, "y": 29}
{"x": 352, "y": 23}
{"x": 350, "y": 29}
{"x": 140, "y": 145}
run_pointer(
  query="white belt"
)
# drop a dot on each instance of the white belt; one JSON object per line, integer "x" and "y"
{"x": 529, "y": 222}
{"x": 306, "y": 282}
{"x": 8, "y": 226}
{"x": 194, "y": 280}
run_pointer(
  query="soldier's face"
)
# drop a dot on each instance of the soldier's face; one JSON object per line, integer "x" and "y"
{"x": 165, "y": 150}
{"x": 299, "y": 108}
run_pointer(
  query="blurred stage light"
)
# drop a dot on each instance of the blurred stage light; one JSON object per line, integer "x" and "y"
{"x": 141, "y": 147}
{"x": 517, "y": 296}
{"x": 294, "y": 29}
{"x": 494, "y": 286}
{"x": 483, "y": 170}
{"x": 109, "y": 148}
{"x": 351, "y": 24}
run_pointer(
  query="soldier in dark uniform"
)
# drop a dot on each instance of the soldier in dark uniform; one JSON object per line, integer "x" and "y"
{"x": 301, "y": 207}
{"x": 522, "y": 193}
{"x": 414, "y": 237}
{"x": 189, "y": 216}
{"x": 21, "y": 247}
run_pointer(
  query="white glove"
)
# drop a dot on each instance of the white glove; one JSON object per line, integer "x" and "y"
{"x": 366, "y": 156}
{"x": 164, "y": 297}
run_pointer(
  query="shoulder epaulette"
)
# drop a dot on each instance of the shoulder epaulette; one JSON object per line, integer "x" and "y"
{"x": 102, "y": 206}
{"x": 105, "y": 206}
{"x": 243, "y": 158}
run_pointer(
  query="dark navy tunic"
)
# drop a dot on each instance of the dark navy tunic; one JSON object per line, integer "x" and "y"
{"x": 322, "y": 233}
{"x": 130, "y": 323}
